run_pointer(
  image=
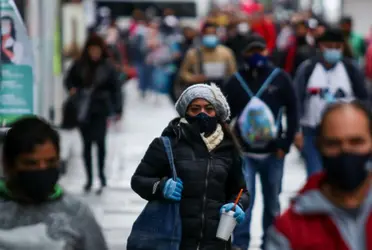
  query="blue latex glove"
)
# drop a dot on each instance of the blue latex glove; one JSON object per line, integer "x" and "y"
{"x": 173, "y": 189}
{"x": 239, "y": 214}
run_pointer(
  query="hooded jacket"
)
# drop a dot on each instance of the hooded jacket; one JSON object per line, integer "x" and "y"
{"x": 314, "y": 223}
{"x": 210, "y": 179}
{"x": 61, "y": 223}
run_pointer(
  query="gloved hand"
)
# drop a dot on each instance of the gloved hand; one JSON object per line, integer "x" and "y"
{"x": 173, "y": 189}
{"x": 239, "y": 214}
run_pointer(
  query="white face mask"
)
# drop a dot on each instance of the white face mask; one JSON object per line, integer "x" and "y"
{"x": 243, "y": 28}
{"x": 5, "y": 30}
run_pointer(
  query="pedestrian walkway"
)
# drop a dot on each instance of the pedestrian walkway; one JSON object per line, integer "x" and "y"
{"x": 118, "y": 207}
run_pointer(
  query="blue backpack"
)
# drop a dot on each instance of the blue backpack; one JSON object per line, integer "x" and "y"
{"x": 257, "y": 123}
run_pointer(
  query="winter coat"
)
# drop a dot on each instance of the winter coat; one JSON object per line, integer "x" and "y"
{"x": 106, "y": 98}
{"x": 314, "y": 223}
{"x": 210, "y": 179}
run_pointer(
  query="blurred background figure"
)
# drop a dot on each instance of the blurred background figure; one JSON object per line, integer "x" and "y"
{"x": 237, "y": 34}
{"x": 94, "y": 87}
{"x": 356, "y": 41}
{"x": 300, "y": 49}
{"x": 31, "y": 198}
{"x": 211, "y": 62}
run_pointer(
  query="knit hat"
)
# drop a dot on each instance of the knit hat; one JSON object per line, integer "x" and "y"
{"x": 210, "y": 93}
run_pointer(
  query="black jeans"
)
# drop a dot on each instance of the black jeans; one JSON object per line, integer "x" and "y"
{"x": 94, "y": 132}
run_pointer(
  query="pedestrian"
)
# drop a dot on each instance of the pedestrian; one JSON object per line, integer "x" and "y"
{"x": 208, "y": 165}
{"x": 320, "y": 80}
{"x": 93, "y": 84}
{"x": 300, "y": 49}
{"x": 356, "y": 41}
{"x": 258, "y": 95}
{"x": 212, "y": 62}
{"x": 236, "y": 39}
{"x": 333, "y": 210}
{"x": 37, "y": 213}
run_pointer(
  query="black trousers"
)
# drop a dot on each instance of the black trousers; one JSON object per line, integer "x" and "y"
{"x": 94, "y": 131}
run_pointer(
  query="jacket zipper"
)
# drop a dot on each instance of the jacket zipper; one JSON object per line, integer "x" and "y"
{"x": 204, "y": 202}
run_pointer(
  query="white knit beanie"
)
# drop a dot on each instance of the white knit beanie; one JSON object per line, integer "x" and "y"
{"x": 210, "y": 93}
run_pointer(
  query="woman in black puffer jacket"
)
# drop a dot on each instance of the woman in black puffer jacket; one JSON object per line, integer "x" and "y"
{"x": 207, "y": 161}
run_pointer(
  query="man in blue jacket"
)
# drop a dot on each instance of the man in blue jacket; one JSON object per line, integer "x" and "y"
{"x": 320, "y": 80}
{"x": 261, "y": 90}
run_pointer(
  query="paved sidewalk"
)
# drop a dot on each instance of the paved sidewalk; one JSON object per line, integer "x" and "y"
{"x": 119, "y": 206}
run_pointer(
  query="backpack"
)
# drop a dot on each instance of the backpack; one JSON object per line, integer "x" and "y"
{"x": 257, "y": 123}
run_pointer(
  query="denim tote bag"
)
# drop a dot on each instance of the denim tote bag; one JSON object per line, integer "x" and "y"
{"x": 158, "y": 227}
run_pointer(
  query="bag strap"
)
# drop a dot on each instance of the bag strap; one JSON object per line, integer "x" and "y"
{"x": 264, "y": 86}
{"x": 279, "y": 119}
{"x": 199, "y": 56}
{"x": 169, "y": 151}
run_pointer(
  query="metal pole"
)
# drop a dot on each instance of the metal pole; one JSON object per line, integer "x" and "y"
{"x": 35, "y": 30}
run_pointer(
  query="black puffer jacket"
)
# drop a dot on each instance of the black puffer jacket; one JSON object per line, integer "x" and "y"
{"x": 107, "y": 96}
{"x": 210, "y": 181}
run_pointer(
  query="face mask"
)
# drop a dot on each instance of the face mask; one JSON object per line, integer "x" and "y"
{"x": 256, "y": 61}
{"x": 210, "y": 41}
{"x": 206, "y": 123}
{"x": 243, "y": 28}
{"x": 38, "y": 185}
{"x": 5, "y": 30}
{"x": 346, "y": 171}
{"x": 332, "y": 56}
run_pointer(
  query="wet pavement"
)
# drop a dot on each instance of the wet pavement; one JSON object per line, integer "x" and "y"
{"x": 143, "y": 120}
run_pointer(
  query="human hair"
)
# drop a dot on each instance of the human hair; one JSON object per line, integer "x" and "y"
{"x": 207, "y": 26}
{"x": 355, "y": 104}
{"x": 347, "y": 20}
{"x": 12, "y": 25}
{"x": 24, "y": 135}
{"x": 94, "y": 40}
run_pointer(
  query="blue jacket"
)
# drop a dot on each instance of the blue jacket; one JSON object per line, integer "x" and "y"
{"x": 279, "y": 94}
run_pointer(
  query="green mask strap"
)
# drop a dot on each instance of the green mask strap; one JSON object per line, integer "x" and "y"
{"x": 58, "y": 191}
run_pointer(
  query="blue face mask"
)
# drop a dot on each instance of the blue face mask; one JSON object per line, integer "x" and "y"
{"x": 210, "y": 41}
{"x": 332, "y": 56}
{"x": 256, "y": 61}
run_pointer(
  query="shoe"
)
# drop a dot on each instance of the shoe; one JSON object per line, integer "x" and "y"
{"x": 100, "y": 190}
{"x": 87, "y": 188}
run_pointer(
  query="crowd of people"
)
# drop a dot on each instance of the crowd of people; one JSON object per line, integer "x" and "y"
{"x": 234, "y": 83}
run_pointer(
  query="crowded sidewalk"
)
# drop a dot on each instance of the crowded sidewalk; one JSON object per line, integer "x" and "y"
{"x": 119, "y": 206}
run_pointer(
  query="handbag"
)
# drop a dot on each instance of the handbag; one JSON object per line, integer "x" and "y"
{"x": 158, "y": 227}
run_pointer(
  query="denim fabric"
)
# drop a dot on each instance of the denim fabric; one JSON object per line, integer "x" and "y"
{"x": 270, "y": 171}
{"x": 311, "y": 154}
{"x": 145, "y": 77}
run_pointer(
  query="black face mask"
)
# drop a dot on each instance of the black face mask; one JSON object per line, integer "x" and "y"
{"x": 38, "y": 185}
{"x": 206, "y": 123}
{"x": 346, "y": 171}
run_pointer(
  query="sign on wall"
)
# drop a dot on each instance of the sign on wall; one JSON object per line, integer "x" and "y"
{"x": 16, "y": 70}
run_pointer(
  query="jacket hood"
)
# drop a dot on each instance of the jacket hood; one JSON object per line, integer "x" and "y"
{"x": 173, "y": 129}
